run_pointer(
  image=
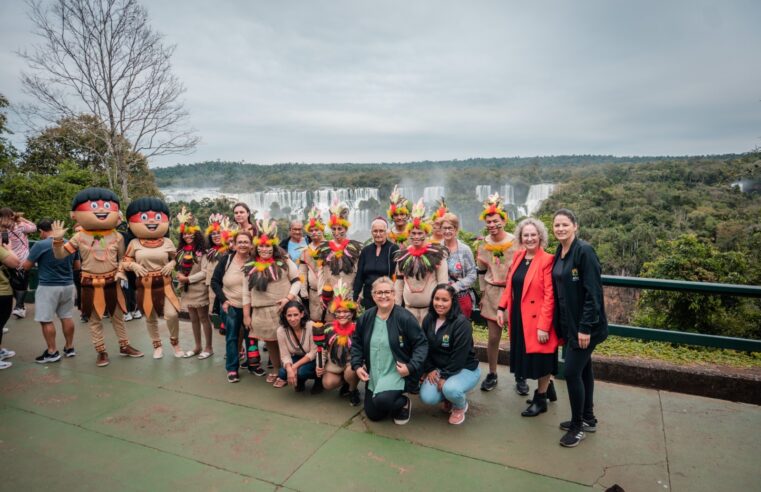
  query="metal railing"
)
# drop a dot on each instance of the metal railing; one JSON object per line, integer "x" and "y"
{"x": 682, "y": 337}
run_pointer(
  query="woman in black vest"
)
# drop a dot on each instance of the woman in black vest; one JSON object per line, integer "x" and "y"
{"x": 580, "y": 320}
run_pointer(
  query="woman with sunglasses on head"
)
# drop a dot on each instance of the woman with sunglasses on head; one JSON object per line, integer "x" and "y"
{"x": 451, "y": 368}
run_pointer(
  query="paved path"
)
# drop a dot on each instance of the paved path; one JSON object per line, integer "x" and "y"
{"x": 175, "y": 424}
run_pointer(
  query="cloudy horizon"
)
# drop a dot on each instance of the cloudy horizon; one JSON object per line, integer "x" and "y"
{"x": 396, "y": 81}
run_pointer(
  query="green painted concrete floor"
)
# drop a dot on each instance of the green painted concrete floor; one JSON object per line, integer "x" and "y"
{"x": 176, "y": 424}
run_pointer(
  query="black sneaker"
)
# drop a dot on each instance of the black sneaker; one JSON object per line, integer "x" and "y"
{"x": 572, "y": 438}
{"x": 587, "y": 425}
{"x": 69, "y": 352}
{"x": 521, "y": 386}
{"x": 257, "y": 371}
{"x": 404, "y": 413}
{"x": 354, "y": 398}
{"x": 490, "y": 382}
{"x": 344, "y": 391}
{"x": 46, "y": 357}
{"x": 232, "y": 377}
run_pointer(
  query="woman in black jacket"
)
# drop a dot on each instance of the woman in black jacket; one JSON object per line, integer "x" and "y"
{"x": 388, "y": 351}
{"x": 580, "y": 321}
{"x": 375, "y": 260}
{"x": 451, "y": 369}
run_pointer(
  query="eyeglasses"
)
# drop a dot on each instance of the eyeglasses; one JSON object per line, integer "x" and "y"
{"x": 445, "y": 228}
{"x": 383, "y": 293}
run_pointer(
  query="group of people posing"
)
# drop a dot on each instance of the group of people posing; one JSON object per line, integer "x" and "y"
{"x": 301, "y": 299}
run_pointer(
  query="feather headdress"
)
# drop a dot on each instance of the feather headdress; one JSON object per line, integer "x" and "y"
{"x": 187, "y": 222}
{"x": 418, "y": 218}
{"x": 339, "y": 214}
{"x": 220, "y": 224}
{"x": 314, "y": 220}
{"x": 398, "y": 204}
{"x": 342, "y": 298}
{"x": 440, "y": 210}
{"x": 267, "y": 233}
{"x": 493, "y": 205}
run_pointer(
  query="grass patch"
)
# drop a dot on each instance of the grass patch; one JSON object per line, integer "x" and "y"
{"x": 668, "y": 352}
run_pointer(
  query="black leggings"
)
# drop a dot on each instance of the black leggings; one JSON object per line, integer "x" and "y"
{"x": 6, "y": 305}
{"x": 385, "y": 403}
{"x": 581, "y": 383}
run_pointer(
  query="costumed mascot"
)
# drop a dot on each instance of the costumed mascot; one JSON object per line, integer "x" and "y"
{"x": 339, "y": 257}
{"x": 151, "y": 256}
{"x": 336, "y": 370}
{"x": 420, "y": 267}
{"x": 399, "y": 213}
{"x": 100, "y": 248}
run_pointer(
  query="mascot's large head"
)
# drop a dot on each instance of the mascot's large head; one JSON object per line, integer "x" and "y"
{"x": 148, "y": 218}
{"x": 96, "y": 209}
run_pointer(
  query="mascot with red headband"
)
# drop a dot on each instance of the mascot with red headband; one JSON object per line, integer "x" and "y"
{"x": 420, "y": 267}
{"x": 100, "y": 248}
{"x": 151, "y": 257}
{"x": 339, "y": 257}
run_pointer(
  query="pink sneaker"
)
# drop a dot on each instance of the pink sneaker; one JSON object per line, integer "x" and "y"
{"x": 458, "y": 415}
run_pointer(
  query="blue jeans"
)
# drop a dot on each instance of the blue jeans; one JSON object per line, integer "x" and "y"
{"x": 454, "y": 388}
{"x": 307, "y": 371}
{"x": 233, "y": 320}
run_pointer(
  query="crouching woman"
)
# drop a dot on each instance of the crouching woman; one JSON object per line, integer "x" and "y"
{"x": 451, "y": 369}
{"x": 388, "y": 352}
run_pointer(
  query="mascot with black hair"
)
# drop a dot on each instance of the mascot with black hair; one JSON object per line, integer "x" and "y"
{"x": 151, "y": 256}
{"x": 100, "y": 248}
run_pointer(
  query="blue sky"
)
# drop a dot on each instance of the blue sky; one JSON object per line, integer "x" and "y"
{"x": 355, "y": 81}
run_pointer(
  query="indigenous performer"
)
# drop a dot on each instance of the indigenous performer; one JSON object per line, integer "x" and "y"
{"x": 270, "y": 281}
{"x": 399, "y": 213}
{"x": 492, "y": 261}
{"x": 100, "y": 248}
{"x": 419, "y": 267}
{"x": 151, "y": 256}
{"x": 336, "y": 370}
{"x": 311, "y": 264}
{"x": 436, "y": 218}
{"x": 339, "y": 257}
{"x": 192, "y": 279}
{"x": 219, "y": 235}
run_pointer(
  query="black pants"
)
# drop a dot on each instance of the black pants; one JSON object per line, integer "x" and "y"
{"x": 23, "y": 286}
{"x": 6, "y": 306}
{"x": 581, "y": 383}
{"x": 385, "y": 403}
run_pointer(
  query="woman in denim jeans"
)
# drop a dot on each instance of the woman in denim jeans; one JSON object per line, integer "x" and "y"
{"x": 451, "y": 368}
{"x": 227, "y": 283}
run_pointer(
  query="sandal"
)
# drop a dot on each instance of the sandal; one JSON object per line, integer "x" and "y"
{"x": 191, "y": 353}
{"x": 280, "y": 383}
{"x": 205, "y": 355}
{"x": 271, "y": 377}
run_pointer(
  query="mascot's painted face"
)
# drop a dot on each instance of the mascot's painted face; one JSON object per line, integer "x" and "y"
{"x": 149, "y": 224}
{"x": 96, "y": 215}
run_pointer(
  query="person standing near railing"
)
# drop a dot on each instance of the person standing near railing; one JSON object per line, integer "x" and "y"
{"x": 580, "y": 320}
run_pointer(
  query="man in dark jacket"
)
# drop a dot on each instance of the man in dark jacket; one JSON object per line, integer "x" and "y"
{"x": 396, "y": 361}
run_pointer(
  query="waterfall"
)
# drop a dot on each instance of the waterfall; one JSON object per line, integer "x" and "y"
{"x": 431, "y": 194}
{"x": 507, "y": 193}
{"x": 536, "y": 195}
{"x": 483, "y": 192}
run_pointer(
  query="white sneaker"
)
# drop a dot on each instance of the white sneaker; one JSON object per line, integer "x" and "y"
{"x": 5, "y": 365}
{"x": 19, "y": 313}
{"x": 128, "y": 317}
{"x": 137, "y": 315}
{"x": 6, "y": 354}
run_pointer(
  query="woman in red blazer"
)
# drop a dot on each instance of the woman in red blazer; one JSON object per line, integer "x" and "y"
{"x": 529, "y": 301}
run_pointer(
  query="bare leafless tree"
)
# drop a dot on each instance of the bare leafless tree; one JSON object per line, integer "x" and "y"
{"x": 102, "y": 57}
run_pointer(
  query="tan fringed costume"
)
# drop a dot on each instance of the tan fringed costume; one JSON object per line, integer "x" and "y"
{"x": 265, "y": 311}
{"x": 155, "y": 293}
{"x": 495, "y": 258}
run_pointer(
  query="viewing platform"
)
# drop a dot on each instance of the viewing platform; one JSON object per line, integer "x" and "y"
{"x": 176, "y": 424}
